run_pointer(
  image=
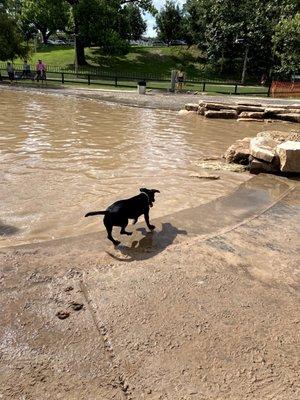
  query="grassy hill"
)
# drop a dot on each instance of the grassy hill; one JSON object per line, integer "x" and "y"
{"x": 147, "y": 60}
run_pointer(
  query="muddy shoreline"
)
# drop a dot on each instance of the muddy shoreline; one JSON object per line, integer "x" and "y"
{"x": 152, "y": 100}
{"x": 205, "y": 308}
{"x": 169, "y": 315}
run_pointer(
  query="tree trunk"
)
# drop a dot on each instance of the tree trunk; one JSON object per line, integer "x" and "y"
{"x": 44, "y": 36}
{"x": 79, "y": 52}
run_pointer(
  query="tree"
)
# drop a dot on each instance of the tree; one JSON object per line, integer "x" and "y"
{"x": 97, "y": 22}
{"x": 132, "y": 18}
{"x": 11, "y": 41}
{"x": 286, "y": 42}
{"x": 169, "y": 22}
{"x": 232, "y": 32}
{"x": 45, "y": 16}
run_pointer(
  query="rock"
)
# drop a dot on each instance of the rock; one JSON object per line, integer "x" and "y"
{"x": 69, "y": 288}
{"x": 249, "y": 119}
{"x": 239, "y": 152}
{"x": 263, "y": 148}
{"x": 280, "y": 136}
{"x": 211, "y": 177}
{"x": 201, "y": 110}
{"x": 289, "y": 117}
{"x": 259, "y": 166}
{"x": 185, "y": 112}
{"x": 273, "y": 111}
{"x": 250, "y": 114}
{"x": 76, "y": 306}
{"x": 221, "y": 166}
{"x": 227, "y": 114}
{"x": 219, "y": 106}
{"x": 240, "y": 103}
{"x": 289, "y": 156}
{"x": 191, "y": 107}
{"x": 241, "y": 108}
{"x": 62, "y": 314}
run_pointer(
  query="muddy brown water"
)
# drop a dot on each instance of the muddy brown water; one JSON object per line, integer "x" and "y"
{"x": 62, "y": 156}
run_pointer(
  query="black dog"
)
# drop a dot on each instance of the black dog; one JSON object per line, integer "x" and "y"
{"x": 118, "y": 213}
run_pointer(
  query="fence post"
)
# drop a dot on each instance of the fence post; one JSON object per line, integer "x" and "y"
{"x": 235, "y": 89}
{"x": 116, "y": 81}
{"x": 89, "y": 79}
{"x": 62, "y": 78}
{"x": 173, "y": 80}
{"x": 203, "y": 88}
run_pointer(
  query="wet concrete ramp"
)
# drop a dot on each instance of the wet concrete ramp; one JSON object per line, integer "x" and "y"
{"x": 251, "y": 199}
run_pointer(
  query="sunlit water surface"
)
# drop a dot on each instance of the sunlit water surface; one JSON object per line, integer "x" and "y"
{"x": 62, "y": 156}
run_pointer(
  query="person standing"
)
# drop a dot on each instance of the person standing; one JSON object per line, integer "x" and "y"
{"x": 180, "y": 79}
{"x": 10, "y": 72}
{"x": 26, "y": 70}
{"x": 40, "y": 70}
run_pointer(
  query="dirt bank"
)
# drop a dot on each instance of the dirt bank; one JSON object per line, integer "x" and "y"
{"x": 173, "y": 315}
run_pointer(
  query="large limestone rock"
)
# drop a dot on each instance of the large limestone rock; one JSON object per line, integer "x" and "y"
{"x": 227, "y": 114}
{"x": 239, "y": 152}
{"x": 219, "y": 106}
{"x": 289, "y": 117}
{"x": 250, "y": 114}
{"x": 201, "y": 110}
{"x": 241, "y": 108}
{"x": 280, "y": 136}
{"x": 263, "y": 148}
{"x": 191, "y": 107}
{"x": 289, "y": 156}
{"x": 249, "y": 120}
{"x": 259, "y": 166}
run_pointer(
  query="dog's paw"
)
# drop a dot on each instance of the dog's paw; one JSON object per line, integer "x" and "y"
{"x": 151, "y": 227}
{"x": 116, "y": 242}
{"x": 129, "y": 233}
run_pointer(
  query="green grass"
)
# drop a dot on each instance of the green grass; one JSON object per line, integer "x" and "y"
{"x": 139, "y": 62}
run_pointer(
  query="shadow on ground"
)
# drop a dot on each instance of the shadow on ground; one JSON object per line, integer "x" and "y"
{"x": 151, "y": 244}
{"x": 8, "y": 230}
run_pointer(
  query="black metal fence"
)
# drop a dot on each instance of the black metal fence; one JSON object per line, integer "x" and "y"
{"x": 97, "y": 76}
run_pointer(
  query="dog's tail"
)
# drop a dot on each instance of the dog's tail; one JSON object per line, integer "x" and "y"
{"x": 95, "y": 213}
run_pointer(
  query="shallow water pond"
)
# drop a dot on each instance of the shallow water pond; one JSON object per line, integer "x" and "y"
{"x": 63, "y": 156}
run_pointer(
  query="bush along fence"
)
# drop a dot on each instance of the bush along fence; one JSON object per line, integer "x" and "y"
{"x": 96, "y": 76}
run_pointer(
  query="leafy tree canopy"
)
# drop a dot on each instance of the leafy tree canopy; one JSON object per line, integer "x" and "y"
{"x": 11, "y": 40}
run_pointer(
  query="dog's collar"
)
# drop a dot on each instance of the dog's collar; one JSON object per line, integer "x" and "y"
{"x": 146, "y": 196}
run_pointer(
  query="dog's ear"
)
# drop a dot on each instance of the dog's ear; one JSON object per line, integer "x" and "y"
{"x": 143, "y": 190}
{"x": 155, "y": 191}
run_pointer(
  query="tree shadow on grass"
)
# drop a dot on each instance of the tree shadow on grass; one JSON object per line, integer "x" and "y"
{"x": 151, "y": 244}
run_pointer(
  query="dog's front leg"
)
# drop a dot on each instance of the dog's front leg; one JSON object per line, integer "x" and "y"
{"x": 151, "y": 227}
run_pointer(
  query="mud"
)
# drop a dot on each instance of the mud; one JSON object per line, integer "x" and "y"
{"x": 205, "y": 308}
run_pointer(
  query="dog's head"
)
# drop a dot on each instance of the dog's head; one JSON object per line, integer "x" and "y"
{"x": 150, "y": 193}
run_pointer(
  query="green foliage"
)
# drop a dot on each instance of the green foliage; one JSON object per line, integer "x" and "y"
{"x": 11, "y": 41}
{"x": 45, "y": 16}
{"x": 216, "y": 25}
{"x": 287, "y": 45}
{"x": 169, "y": 22}
{"x": 132, "y": 17}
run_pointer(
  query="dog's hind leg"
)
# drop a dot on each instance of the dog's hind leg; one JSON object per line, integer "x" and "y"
{"x": 123, "y": 230}
{"x": 109, "y": 234}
